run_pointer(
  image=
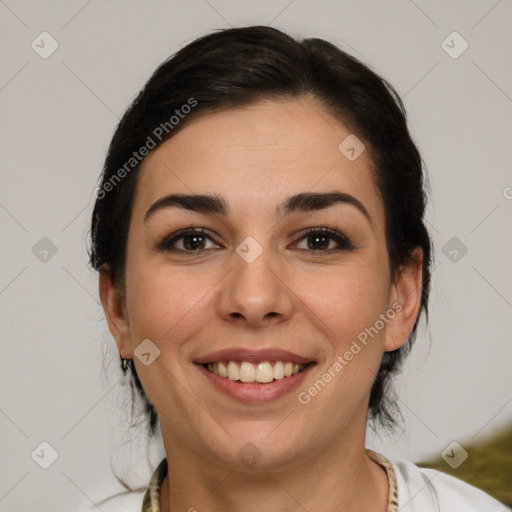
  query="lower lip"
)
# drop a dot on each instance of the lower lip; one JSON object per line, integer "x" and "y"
{"x": 255, "y": 392}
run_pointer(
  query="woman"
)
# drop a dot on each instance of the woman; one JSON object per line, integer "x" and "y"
{"x": 263, "y": 264}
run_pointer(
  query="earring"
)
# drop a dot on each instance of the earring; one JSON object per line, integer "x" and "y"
{"x": 125, "y": 363}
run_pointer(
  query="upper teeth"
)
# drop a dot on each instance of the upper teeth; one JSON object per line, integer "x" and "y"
{"x": 248, "y": 372}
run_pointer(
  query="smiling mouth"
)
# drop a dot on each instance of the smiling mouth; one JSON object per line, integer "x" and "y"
{"x": 262, "y": 373}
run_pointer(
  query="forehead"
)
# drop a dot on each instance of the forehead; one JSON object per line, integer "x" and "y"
{"x": 255, "y": 156}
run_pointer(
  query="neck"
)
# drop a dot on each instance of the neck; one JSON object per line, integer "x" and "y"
{"x": 339, "y": 478}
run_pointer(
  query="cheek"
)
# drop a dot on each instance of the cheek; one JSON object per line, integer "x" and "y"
{"x": 347, "y": 299}
{"x": 170, "y": 307}
{"x": 348, "y": 304}
{"x": 164, "y": 303}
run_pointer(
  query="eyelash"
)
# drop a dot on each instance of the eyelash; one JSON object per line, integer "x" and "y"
{"x": 344, "y": 242}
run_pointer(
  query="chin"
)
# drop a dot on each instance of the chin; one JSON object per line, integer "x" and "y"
{"x": 260, "y": 451}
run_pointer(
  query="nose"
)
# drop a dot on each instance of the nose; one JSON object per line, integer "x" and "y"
{"x": 257, "y": 292}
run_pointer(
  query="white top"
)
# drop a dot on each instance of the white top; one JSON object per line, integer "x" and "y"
{"x": 428, "y": 490}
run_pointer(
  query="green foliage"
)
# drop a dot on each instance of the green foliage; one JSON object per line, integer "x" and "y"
{"x": 488, "y": 466}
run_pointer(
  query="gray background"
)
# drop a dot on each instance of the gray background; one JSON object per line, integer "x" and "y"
{"x": 58, "y": 115}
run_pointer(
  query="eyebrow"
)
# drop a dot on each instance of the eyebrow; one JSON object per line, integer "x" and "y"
{"x": 212, "y": 203}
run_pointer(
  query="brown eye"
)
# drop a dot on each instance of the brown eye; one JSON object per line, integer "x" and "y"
{"x": 320, "y": 239}
{"x": 187, "y": 240}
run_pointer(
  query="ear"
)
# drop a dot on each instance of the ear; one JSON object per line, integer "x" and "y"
{"x": 405, "y": 300}
{"x": 115, "y": 311}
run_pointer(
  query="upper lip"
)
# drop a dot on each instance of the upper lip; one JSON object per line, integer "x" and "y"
{"x": 252, "y": 356}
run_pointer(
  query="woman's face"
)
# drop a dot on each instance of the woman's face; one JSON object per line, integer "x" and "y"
{"x": 253, "y": 287}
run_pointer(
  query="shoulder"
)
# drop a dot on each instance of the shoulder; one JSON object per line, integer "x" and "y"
{"x": 422, "y": 489}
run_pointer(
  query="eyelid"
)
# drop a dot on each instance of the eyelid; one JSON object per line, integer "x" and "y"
{"x": 344, "y": 242}
{"x": 166, "y": 243}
